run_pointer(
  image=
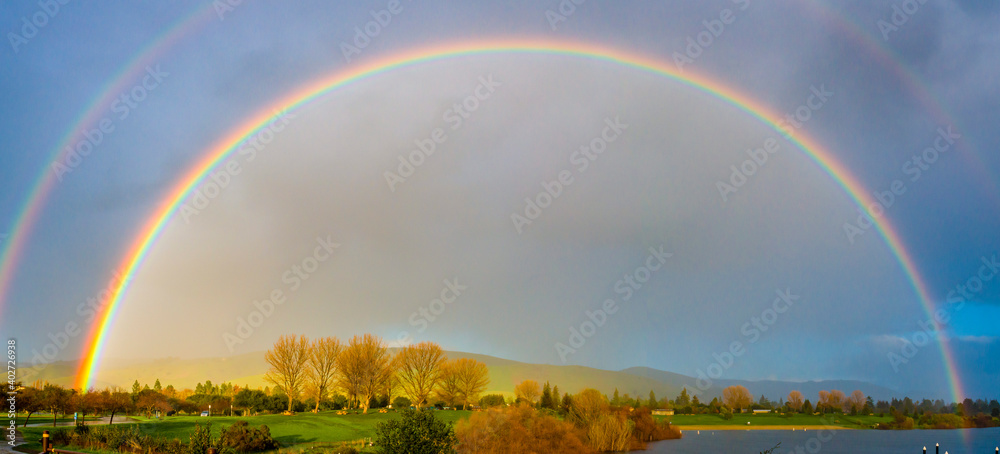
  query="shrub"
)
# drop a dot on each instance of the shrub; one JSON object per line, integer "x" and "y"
{"x": 241, "y": 438}
{"x": 401, "y": 402}
{"x": 491, "y": 400}
{"x": 201, "y": 439}
{"x": 417, "y": 432}
{"x": 646, "y": 429}
{"x": 609, "y": 432}
{"x": 517, "y": 430}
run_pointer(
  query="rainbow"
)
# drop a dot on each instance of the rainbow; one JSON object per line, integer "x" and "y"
{"x": 96, "y": 110}
{"x": 12, "y": 249}
{"x": 220, "y": 150}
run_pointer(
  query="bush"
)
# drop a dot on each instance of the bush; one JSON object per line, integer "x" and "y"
{"x": 517, "y": 430}
{"x": 609, "y": 432}
{"x": 646, "y": 429}
{"x": 417, "y": 432}
{"x": 241, "y": 438}
{"x": 492, "y": 400}
{"x": 401, "y": 402}
{"x": 201, "y": 439}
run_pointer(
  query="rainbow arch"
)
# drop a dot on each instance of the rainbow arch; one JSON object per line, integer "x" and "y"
{"x": 96, "y": 109}
{"x": 221, "y": 149}
{"x": 12, "y": 250}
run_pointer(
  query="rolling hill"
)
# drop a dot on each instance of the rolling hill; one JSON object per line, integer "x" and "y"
{"x": 248, "y": 370}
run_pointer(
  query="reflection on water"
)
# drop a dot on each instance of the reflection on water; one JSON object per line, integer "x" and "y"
{"x": 971, "y": 441}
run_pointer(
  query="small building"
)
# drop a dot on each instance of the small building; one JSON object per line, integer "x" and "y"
{"x": 663, "y": 412}
{"x": 761, "y": 411}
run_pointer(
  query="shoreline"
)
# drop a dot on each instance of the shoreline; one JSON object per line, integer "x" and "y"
{"x": 790, "y": 427}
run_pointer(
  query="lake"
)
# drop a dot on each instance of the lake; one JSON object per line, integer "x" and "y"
{"x": 970, "y": 441}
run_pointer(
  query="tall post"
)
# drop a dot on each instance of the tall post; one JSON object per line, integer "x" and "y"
{"x": 45, "y": 441}
{"x": 937, "y": 448}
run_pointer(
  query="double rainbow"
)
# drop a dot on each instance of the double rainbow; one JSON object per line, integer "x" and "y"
{"x": 311, "y": 91}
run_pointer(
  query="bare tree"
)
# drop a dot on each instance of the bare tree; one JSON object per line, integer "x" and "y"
{"x": 587, "y": 406}
{"x": 418, "y": 371}
{"x": 855, "y": 402}
{"x": 795, "y": 400}
{"x": 287, "y": 361}
{"x": 448, "y": 389}
{"x": 473, "y": 378}
{"x": 836, "y": 400}
{"x": 528, "y": 390}
{"x": 322, "y": 366}
{"x": 737, "y": 397}
{"x": 363, "y": 368}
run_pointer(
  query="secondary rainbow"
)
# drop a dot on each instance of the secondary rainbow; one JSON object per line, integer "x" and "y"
{"x": 218, "y": 152}
{"x": 96, "y": 109}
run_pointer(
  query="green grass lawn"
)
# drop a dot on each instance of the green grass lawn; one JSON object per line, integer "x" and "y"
{"x": 288, "y": 430}
{"x": 854, "y": 422}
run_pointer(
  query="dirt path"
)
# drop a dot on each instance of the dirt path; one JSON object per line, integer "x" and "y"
{"x": 8, "y": 449}
{"x": 119, "y": 419}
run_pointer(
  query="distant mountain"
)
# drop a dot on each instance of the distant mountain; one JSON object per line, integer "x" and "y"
{"x": 248, "y": 369}
{"x": 773, "y": 389}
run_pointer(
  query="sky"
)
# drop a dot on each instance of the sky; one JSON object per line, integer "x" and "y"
{"x": 536, "y": 251}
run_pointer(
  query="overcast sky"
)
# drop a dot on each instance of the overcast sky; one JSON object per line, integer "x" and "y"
{"x": 688, "y": 270}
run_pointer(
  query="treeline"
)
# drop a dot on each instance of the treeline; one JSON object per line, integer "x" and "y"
{"x": 906, "y": 413}
{"x": 369, "y": 376}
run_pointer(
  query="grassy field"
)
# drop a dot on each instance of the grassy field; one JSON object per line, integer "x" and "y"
{"x": 797, "y": 420}
{"x": 288, "y": 430}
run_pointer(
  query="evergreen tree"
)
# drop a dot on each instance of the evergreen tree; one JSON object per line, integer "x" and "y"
{"x": 652, "y": 399}
{"x": 555, "y": 397}
{"x": 546, "y": 401}
{"x": 136, "y": 388}
{"x": 156, "y": 386}
{"x": 807, "y": 407}
{"x": 616, "y": 401}
{"x": 683, "y": 399}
